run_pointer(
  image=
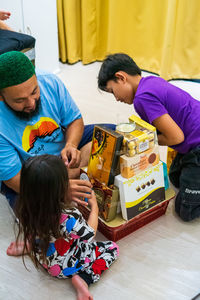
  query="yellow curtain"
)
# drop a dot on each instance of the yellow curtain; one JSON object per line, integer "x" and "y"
{"x": 162, "y": 36}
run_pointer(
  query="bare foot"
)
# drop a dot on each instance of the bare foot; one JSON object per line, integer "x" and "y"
{"x": 81, "y": 288}
{"x": 4, "y": 15}
{"x": 16, "y": 249}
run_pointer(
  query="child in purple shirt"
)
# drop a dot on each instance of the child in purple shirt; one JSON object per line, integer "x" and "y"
{"x": 173, "y": 112}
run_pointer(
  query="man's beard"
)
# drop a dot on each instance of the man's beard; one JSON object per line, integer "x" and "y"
{"x": 25, "y": 115}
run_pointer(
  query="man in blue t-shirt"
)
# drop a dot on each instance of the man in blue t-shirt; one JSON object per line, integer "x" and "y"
{"x": 173, "y": 112}
{"x": 38, "y": 116}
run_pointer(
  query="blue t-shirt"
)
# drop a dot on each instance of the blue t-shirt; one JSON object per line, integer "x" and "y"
{"x": 155, "y": 97}
{"x": 43, "y": 134}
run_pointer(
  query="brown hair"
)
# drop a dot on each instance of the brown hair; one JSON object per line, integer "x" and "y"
{"x": 43, "y": 190}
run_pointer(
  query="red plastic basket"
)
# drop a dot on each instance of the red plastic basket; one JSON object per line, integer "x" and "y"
{"x": 117, "y": 233}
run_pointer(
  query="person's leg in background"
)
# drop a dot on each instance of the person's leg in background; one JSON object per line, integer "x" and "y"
{"x": 187, "y": 170}
{"x": 4, "y": 15}
{"x": 175, "y": 170}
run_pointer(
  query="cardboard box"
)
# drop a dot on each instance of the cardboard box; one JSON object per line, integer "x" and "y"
{"x": 171, "y": 154}
{"x": 142, "y": 124}
{"x": 107, "y": 198}
{"x": 119, "y": 228}
{"x": 141, "y": 191}
{"x": 104, "y": 156}
{"x": 130, "y": 166}
{"x": 166, "y": 179}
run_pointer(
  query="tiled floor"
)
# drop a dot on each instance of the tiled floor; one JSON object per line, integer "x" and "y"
{"x": 160, "y": 261}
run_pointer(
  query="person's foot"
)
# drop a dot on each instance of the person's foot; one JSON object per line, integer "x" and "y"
{"x": 81, "y": 288}
{"x": 4, "y": 15}
{"x": 16, "y": 249}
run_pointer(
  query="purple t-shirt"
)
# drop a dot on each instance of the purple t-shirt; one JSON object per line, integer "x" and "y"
{"x": 156, "y": 97}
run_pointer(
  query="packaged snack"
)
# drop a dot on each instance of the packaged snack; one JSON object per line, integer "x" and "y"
{"x": 104, "y": 156}
{"x": 107, "y": 198}
{"x": 141, "y": 192}
{"x": 171, "y": 154}
{"x": 142, "y": 138}
{"x": 166, "y": 180}
{"x": 132, "y": 165}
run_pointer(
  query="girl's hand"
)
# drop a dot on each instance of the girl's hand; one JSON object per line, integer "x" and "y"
{"x": 93, "y": 201}
{"x": 93, "y": 216}
{"x": 80, "y": 189}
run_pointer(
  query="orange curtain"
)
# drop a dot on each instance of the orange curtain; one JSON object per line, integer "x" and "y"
{"x": 162, "y": 36}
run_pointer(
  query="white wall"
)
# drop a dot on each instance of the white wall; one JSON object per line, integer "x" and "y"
{"x": 39, "y": 19}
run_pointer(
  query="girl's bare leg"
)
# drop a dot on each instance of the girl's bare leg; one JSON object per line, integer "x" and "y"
{"x": 81, "y": 288}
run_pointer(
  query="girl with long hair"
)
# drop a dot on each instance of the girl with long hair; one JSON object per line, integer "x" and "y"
{"x": 53, "y": 232}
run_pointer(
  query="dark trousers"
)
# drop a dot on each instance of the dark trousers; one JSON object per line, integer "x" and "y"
{"x": 185, "y": 174}
{"x": 86, "y": 138}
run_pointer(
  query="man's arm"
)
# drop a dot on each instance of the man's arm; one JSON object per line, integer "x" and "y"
{"x": 70, "y": 154}
{"x": 171, "y": 133}
{"x": 14, "y": 182}
{"x": 72, "y": 157}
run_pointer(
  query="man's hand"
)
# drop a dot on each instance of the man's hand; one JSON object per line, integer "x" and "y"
{"x": 71, "y": 156}
{"x": 80, "y": 189}
{"x": 73, "y": 134}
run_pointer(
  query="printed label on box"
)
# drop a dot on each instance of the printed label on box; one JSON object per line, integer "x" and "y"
{"x": 107, "y": 197}
{"x": 141, "y": 192}
{"x": 130, "y": 166}
{"x": 104, "y": 156}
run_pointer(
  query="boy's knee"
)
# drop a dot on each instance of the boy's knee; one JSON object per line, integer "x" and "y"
{"x": 175, "y": 172}
{"x": 174, "y": 179}
{"x": 187, "y": 208}
{"x": 184, "y": 215}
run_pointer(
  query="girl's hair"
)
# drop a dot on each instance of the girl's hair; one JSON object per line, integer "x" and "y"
{"x": 114, "y": 63}
{"x": 43, "y": 191}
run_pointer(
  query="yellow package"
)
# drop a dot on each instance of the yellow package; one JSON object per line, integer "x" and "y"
{"x": 130, "y": 166}
{"x": 142, "y": 137}
{"x": 171, "y": 154}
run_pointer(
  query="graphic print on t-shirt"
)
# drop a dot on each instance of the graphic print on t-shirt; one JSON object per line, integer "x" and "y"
{"x": 44, "y": 127}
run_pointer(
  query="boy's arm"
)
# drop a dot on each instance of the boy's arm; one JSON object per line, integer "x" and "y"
{"x": 171, "y": 133}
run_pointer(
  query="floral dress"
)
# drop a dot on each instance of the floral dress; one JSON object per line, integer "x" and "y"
{"x": 75, "y": 253}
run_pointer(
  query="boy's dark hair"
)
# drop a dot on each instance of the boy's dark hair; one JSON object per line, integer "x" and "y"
{"x": 43, "y": 190}
{"x": 114, "y": 63}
